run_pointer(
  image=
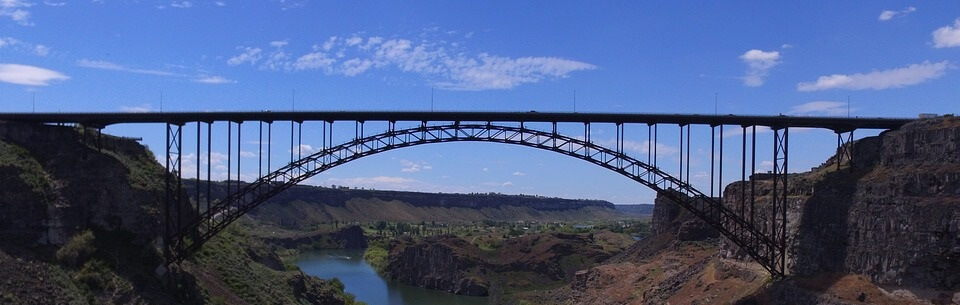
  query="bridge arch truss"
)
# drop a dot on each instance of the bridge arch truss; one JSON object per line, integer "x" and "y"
{"x": 185, "y": 232}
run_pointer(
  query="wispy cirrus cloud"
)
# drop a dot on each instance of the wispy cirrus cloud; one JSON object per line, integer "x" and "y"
{"x": 887, "y": 15}
{"x": 947, "y": 36}
{"x": 137, "y": 109}
{"x": 759, "y": 64}
{"x": 443, "y": 64}
{"x": 820, "y": 108}
{"x": 879, "y": 80}
{"x": 213, "y": 80}
{"x": 181, "y": 4}
{"x": 413, "y": 167}
{"x": 23, "y": 46}
{"x": 29, "y": 75}
{"x": 106, "y": 65}
{"x": 202, "y": 78}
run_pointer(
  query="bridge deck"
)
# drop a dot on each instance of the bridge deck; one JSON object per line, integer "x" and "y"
{"x": 105, "y": 119}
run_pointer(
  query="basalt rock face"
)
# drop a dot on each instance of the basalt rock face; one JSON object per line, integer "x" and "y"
{"x": 351, "y": 237}
{"x": 455, "y": 265}
{"x": 118, "y": 185}
{"x": 670, "y": 218}
{"x": 440, "y": 263}
{"x": 894, "y": 216}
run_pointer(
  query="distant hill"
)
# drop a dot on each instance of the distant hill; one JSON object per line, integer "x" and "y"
{"x": 635, "y": 210}
{"x": 305, "y": 205}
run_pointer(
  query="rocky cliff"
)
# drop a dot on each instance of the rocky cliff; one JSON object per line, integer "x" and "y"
{"x": 79, "y": 212}
{"x": 885, "y": 230}
{"x": 894, "y": 216}
{"x": 59, "y": 180}
{"x": 304, "y": 205}
{"x": 452, "y": 264}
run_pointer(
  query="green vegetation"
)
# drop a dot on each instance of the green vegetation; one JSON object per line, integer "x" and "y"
{"x": 78, "y": 249}
{"x": 376, "y": 256}
{"x": 241, "y": 260}
{"x": 31, "y": 172}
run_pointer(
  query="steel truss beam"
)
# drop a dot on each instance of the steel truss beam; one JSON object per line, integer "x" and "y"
{"x": 778, "y": 253}
{"x": 173, "y": 233}
{"x": 762, "y": 247}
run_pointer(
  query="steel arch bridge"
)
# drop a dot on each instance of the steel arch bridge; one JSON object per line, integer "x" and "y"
{"x": 186, "y": 228}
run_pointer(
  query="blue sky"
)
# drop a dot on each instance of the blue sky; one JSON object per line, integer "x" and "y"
{"x": 890, "y": 58}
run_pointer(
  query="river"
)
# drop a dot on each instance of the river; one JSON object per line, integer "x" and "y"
{"x": 360, "y": 279}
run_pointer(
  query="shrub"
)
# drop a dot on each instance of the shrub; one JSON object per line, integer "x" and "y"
{"x": 376, "y": 257}
{"x": 78, "y": 249}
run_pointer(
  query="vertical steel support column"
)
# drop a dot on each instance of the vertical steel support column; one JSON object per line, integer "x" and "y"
{"x": 291, "y": 141}
{"x": 229, "y": 154}
{"x": 260, "y": 153}
{"x": 649, "y": 148}
{"x": 780, "y": 157}
{"x": 196, "y": 231}
{"x": 680, "y": 156}
{"x": 743, "y": 171}
{"x": 586, "y": 137}
{"x": 844, "y": 149}
{"x": 299, "y": 140}
{"x": 209, "y": 164}
{"x": 239, "y": 140}
{"x": 720, "y": 166}
{"x": 713, "y": 154}
{"x": 688, "y": 155}
{"x": 656, "y": 142}
{"x": 554, "y": 134}
{"x": 753, "y": 171}
{"x": 269, "y": 145}
{"x": 173, "y": 189}
{"x": 620, "y": 131}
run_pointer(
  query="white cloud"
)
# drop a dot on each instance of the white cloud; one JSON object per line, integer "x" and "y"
{"x": 51, "y": 3}
{"x": 181, "y": 4}
{"x": 141, "y": 108}
{"x": 291, "y": 4}
{"x": 251, "y": 55}
{"x": 105, "y": 65}
{"x": 214, "y": 80}
{"x": 313, "y": 61}
{"x": 759, "y": 64}
{"x": 307, "y": 149}
{"x": 441, "y": 63}
{"x": 888, "y": 14}
{"x": 948, "y": 36}
{"x": 352, "y": 41}
{"x": 878, "y": 80}
{"x": 24, "y": 47}
{"x": 16, "y": 11}
{"x": 820, "y": 107}
{"x": 413, "y": 167}
{"x": 41, "y": 50}
{"x": 506, "y": 184}
{"x": 485, "y": 169}
{"x": 519, "y": 174}
{"x": 220, "y": 3}
{"x": 29, "y": 75}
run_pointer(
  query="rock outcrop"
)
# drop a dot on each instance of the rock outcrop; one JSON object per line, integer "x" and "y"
{"x": 452, "y": 264}
{"x": 893, "y": 217}
{"x": 884, "y": 231}
{"x": 49, "y": 196}
{"x": 441, "y": 263}
{"x": 302, "y": 206}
